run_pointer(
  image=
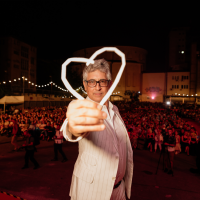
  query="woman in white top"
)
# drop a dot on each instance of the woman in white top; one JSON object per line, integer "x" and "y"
{"x": 178, "y": 145}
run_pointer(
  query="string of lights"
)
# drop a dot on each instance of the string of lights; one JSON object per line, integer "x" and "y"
{"x": 45, "y": 85}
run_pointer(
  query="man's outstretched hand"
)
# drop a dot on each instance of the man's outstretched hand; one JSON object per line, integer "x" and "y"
{"x": 85, "y": 116}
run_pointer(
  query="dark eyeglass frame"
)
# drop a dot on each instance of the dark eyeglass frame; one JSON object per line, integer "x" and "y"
{"x": 98, "y": 82}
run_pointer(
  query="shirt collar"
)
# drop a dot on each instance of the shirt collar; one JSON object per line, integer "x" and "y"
{"x": 110, "y": 105}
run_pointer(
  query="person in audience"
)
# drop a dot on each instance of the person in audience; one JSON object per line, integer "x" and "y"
{"x": 30, "y": 150}
{"x": 170, "y": 146}
{"x": 193, "y": 143}
{"x": 186, "y": 142}
{"x": 14, "y": 133}
{"x": 58, "y": 141}
{"x": 150, "y": 139}
{"x": 178, "y": 145}
{"x": 158, "y": 140}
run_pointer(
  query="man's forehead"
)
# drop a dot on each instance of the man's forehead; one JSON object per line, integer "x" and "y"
{"x": 97, "y": 74}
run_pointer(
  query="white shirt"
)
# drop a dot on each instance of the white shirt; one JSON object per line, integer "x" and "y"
{"x": 120, "y": 135}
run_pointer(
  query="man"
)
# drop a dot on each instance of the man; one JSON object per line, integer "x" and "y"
{"x": 58, "y": 140}
{"x": 104, "y": 167}
{"x": 14, "y": 133}
{"x": 30, "y": 149}
{"x": 170, "y": 143}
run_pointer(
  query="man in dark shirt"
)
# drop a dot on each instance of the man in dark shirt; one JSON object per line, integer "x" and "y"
{"x": 197, "y": 160}
{"x": 30, "y": 149}
{"x": 49, "y": 131}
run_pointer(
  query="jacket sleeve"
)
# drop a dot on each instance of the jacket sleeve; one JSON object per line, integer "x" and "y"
{"x": 67, "y": 135}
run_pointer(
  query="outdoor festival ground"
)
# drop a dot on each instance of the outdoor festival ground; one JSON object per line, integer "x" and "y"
{"x": 52, "y": 180}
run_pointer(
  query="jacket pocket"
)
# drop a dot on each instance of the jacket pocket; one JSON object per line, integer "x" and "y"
{"x": 83, "y": 172}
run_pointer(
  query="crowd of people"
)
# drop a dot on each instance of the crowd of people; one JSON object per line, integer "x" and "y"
{"x": 34, "y": 125}
{"x": 44, "y": 119}
{"x": 147, "y": 123}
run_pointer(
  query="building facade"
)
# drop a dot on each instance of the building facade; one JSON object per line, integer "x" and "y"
{"x": 153, "y": 87}
{"x": 132, "y": 76}
{"x": 178, "y": 83}
{"x": 17, "y": 60}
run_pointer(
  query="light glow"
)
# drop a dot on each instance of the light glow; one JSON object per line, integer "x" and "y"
{"x": 152, "y": 97}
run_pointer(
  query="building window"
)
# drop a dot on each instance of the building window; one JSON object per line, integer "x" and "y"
{"x": 177, "y": 86}
{"x": 32, "y": 60}
{"x": 172, "y": 86}
{"x": 16, "y": 66}
{"x": 32, "y": 75}
{"x": 16, "y": 52}
{"x": 172, "y": 77}
{"x": 24, "y": 64}
{"x": 186, "y": 86}
{"x": 24, "y": 52}
{"x": 176, "y": 78}
{"x": 181, "y": 86}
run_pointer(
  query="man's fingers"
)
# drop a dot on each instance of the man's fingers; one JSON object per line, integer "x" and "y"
{"x": 90, "y": 113}
{"x": 83, "y": 103}
{"x": 88, "y": 121}
{"x": 82, "y": 129}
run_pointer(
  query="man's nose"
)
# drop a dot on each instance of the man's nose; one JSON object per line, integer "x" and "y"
{"x": 98, "y": 86}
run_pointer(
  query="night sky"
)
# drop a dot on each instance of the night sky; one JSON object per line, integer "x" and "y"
{"x": 58, "y": 28}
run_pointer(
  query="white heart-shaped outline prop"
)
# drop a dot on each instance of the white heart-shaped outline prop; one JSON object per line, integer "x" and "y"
{"x": 91, "y": 61}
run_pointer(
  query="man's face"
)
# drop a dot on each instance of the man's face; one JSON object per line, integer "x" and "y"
{"x": 96, "y": 93}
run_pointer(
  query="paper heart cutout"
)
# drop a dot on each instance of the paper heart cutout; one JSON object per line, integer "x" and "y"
{"x": 91, "y": 61}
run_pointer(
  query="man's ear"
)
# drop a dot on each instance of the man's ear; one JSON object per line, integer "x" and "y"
{"x": 85, "y": 85}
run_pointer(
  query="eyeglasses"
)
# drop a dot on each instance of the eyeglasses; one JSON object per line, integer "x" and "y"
{"x": 102, "y": 83}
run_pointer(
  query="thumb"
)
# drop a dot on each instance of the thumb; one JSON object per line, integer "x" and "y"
{"x": 99, "y": 107}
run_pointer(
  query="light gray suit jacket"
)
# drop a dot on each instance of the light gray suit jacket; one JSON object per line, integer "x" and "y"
{"x": 97, "y": 163}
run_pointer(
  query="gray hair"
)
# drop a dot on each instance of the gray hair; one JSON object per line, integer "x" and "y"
{"x": 101, "y": 65}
